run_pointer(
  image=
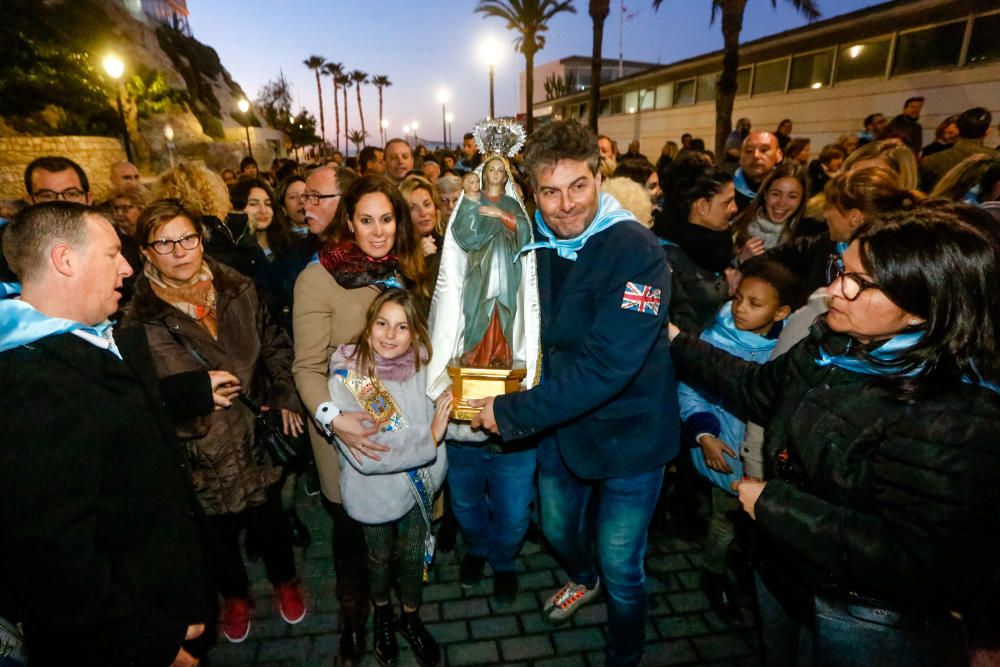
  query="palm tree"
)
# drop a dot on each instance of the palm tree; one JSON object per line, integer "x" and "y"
{"x": 344, "y": 81}
{"x": 315, "y": 63}
{"x": 380, "y": 81}
{"x": 530, "y": 18}
{"x": 332, "y": 70}
{"x": 732, "y": 25}
{"x": 359, "y": 77}
{"x": 599, "y": 10}
{"x": 357, "y": 138}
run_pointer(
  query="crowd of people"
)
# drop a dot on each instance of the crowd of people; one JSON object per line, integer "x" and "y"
{"x": 793, "y": 360}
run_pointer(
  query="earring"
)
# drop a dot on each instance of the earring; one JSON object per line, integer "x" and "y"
{"x": 914, "y": 323}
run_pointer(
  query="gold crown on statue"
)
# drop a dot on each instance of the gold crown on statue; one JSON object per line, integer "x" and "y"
{"x": 503, "y": 136}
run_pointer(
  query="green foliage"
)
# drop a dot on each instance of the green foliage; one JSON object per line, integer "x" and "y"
{"x": 274, "y": 101}
{"x": 152, "y": 94}
{"x": 557, "y": 86}
{"x": 210, "y": 125}
{"x": 357, "y": 137}
{"x": 528, "y": 18}
{"x": 303, "y": 130}
{"x": 51, "y": 61}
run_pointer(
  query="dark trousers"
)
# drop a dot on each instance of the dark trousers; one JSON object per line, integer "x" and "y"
{"x": 403, "y": 540}
{"x": 350, "y": 565}
{"x": 268, "y": 523}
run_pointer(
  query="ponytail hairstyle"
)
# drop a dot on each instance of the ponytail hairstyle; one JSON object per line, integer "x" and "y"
{"x": 420, "y": 340}
{"x": 892, "y": 154}
{"x": 871, "y": 190}
{"x": 787, "y": 169}
{"x": 684, "y": 181}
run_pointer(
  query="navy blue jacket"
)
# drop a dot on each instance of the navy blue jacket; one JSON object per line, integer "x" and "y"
{"x": 609, "y": 390}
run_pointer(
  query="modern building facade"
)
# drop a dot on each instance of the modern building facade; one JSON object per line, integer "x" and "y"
{"x": 825, "y": 77}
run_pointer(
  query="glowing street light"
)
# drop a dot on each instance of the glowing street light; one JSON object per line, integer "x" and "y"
{"x": 168, "y": 134}
{"x": 244, "y": 107}
{"x": 115, "y": 68}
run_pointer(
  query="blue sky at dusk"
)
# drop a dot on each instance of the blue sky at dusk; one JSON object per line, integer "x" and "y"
{"x": 426, "y": 46}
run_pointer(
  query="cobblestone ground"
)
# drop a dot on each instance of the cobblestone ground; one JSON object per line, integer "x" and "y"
{"x": 474, "y": 629}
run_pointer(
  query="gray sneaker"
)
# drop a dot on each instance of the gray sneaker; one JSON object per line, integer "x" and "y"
{"x": 571, "y": 597}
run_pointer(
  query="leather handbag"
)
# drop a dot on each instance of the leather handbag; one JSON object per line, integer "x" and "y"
{"x": 268, "y": 428}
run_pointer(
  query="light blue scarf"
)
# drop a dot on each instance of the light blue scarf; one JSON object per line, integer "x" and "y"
{"x": 740, "y": 181}
{"x": 889, "y": 353}
{"x": 21, "y": 324}
{"x": 609, "y": 213}
{"x": 723, "y": 333}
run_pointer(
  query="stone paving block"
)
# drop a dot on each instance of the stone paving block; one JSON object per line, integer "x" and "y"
{"x": 689, "y": 601}
{"x": 464, "y": 609}
{"x": 539, "y": 561}
{"x": 494, "y": 626}
{"x": 578, "y": 640}
{"x": 473, "y": 653}
{"x": 324, "y": 647}
{"x": 667, "y": 563}
{"x": 541, "y": 580}
{"x": 225, "y": 654}
{"x": 269, "y": 628}
{"x": 430, "y": 612}
{"x": 294, "y": 649}
{"x": 719, "y": 624}
{"x": 564, "y": 661}
{"x": 688, "y": 625}
{"x": 316, "y": 623}
{"x": 446, "y": 573}
{"x": 591, "y": 614}
{"x": 524, "y": 648}
{"x": 525, "y": 601}
{"x": 689, "y": 579}
{"x": 319, "y": 567}
{"x": 715, "y": 647}
{"x": 448, "y": 633}
{"x": 670, "y": 653}
{"x": 442, "y": 592}
{"x": 532, "y": 622}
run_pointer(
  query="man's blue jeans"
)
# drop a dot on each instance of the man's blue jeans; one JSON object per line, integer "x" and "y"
{"x": 491, "y": 495}
{"x": 624, "y": 508}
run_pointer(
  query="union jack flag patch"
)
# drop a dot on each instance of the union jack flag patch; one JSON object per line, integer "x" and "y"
{"x": 641, "y": 298}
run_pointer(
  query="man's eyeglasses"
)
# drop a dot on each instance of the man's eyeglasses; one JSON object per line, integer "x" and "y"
{"x": 313, "y": 199}
{"x": 851, "y": 284}
{"x": 123, "y": 209}
{"x": 73, "y": 194}
{"x": 166, "y": 246}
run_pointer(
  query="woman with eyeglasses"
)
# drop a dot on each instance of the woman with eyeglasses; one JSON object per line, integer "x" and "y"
{"x": 204, "y": 317}
{"x": 370, "y": 246}
{"x": 878, "y": 539}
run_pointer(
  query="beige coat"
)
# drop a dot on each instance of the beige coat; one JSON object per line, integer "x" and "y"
{"x": 325, "y": 315}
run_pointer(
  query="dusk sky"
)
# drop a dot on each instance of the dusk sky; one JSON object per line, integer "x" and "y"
{"x": 426, "y": 46}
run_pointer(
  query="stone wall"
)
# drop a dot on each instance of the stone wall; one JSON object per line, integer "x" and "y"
{"x": 94, "y": 154}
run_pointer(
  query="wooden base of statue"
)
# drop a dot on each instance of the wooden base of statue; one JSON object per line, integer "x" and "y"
{"x": 468, "y": 383}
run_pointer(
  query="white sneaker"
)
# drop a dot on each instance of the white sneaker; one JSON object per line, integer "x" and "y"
{"x": 571, "y": 597}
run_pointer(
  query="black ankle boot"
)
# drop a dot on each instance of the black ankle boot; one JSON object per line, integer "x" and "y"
{"x": 352, "y": 646}
{"x": 300, "y": 534}
{"x": 721, "y": 596}
{"x": 425, "y": 647}
{"x": 385, "y": 647}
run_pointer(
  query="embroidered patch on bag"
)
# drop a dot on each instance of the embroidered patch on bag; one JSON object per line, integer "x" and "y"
{"x": 641, "y": 298}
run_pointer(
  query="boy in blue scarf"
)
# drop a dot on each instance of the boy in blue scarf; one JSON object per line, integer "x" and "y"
{"x": 748, "y": 327}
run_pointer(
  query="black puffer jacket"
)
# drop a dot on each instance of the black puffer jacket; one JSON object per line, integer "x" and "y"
{"x": 893, "y": 500}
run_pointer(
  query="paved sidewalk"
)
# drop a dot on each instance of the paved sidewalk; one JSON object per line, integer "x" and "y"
{"x": 474, "y": 630}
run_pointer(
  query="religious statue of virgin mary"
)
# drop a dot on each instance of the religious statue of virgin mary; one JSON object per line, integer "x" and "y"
{"x": 485, "y": 311}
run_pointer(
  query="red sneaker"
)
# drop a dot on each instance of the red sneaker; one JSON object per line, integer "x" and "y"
{"x": 291, "y": 605}
{"x": 236, "y": 619}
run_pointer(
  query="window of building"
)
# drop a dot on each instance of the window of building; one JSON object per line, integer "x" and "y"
{"x": 684, "y": 93}
{"x": 616, "y": 104}
{"x": 647, "y": 97}
{"x": 631, "y": 101}
{"x": 707, "y": 84}
{"x": 811, "y": 70}
{"x": 863, "y": 60}
{"x": 743, "y": 81}
{"x": 605, "y": 107}
{"x": 665, "y": 95}
{"x": 985, "y": 44}
{"x": 932, "y": 48}
{"x": 770, "y": 77}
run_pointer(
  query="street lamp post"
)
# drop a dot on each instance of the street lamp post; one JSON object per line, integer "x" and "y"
{"x": 491, "y": 52}
{"x": 450, "y": 117}
{"x": 406, "y": 132}
{"x": 493, "y": 111}
{"x": 385, "y": 130}
{"x": 245, "y": 110}
{"x": 114, "y": 66}
{"x": 168, "y": 134}
{"x": 416, "y": 139}
{"x": 443, "y": 98}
